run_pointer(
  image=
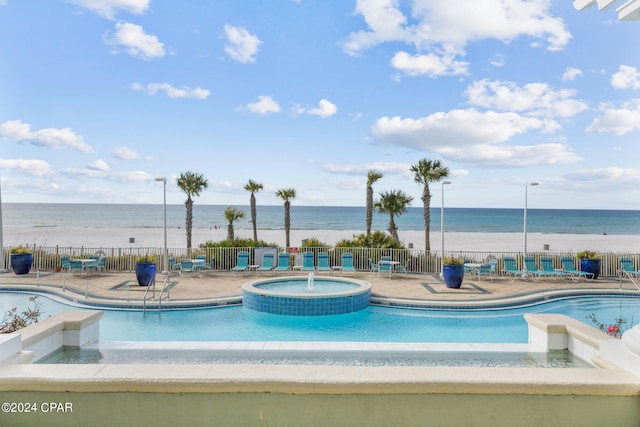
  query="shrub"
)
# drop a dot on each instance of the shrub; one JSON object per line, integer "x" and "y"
{"x": 453, "y": 261}
{"x": 13, "y": 321}
{"x": 588, "y": 254}
{"x": 377, "y": 239}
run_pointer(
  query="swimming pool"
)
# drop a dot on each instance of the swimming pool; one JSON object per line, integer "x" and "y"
{"x": 373, "y": 324}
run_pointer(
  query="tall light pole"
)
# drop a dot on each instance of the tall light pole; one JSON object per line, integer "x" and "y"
{"x": 165, "y": 259}
{"x": 442, "y": 227}
{"x": 526, "y": 187}
{"x": 2, "y": 265}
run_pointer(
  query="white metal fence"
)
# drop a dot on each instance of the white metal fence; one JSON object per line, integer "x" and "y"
{"x": 419, "y": 261}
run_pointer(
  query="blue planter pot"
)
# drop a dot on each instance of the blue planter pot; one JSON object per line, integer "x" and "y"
{"x": 21, "y": 263}
{"x": 146, "y": 273}
{"x": 591, "y": 265}
{"x": 453, "y": 275}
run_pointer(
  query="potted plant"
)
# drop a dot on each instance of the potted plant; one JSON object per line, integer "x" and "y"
{"x": 146, "y": 270}
{"x": 21, "y": 259}
{"x": 590, "y": 262}
{"x": 453, "y": 272}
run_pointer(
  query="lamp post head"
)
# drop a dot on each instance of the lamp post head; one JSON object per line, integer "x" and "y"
{"x": 533, "y": 184}
{"x": 163, "y": 179}
{"x": 446, "y": 182}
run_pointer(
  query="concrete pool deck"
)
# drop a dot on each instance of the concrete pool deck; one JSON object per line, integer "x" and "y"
{"x": 242, "y": 395}
{"x": 220, "y": 287}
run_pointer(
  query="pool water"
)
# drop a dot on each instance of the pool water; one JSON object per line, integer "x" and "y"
{"x": 562, "y": 359}
{"x": 373, "y": 324}
{"x": 302, "y": 286}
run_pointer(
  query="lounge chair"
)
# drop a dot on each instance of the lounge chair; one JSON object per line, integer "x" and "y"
{"x": 373, "y": 267}
{"x": 511, "y": 268}
{"x": 323, "y": 262}
{"x": 574, "y": 274}
{"x": 403, "y": 268}
{"x": 488, "y": 270}
{"x": 347, "y": 263}
{"x": 186, "y": 266}
{"x": 267, "y": 262}
{"x": 208, "y": 266}
{"x": 384, "y": 266}
{"x": 174, "y": 265}
{"x": 534, "y": 271}
{"x": 66, "y": 265}
{"x": 627, "y": 269}
{"x": 547, "y": 267}
{"x": 283, "y": 263}
{"x": 242, "y": 264}
{"x": 308, "y": 263}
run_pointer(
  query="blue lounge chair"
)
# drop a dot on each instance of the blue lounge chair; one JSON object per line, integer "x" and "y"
{"x": 569, "y": 268}
{"x": 207, "y": 266}
{"x": 384, "y": 266}
{"x": 323, "y": 262}
{"x": 403, "y": 268}
{"x": 511, "y": 268}
{"x": 308, "y": 263}
{"x": 547, "y": 268}
{"x": 267, "y": 262}
{"x": 373, "y": 267}
{"x": 66, "y": 265}
{"x": 627, "y": 269}
{"x": 186, "y": 266}
{"x": 347, "y": 263}
{"x": 174, "y": 265}
{"x": 535, "y": 272}
{"x": 283, "y": 263}
{"x": 488, "y": 270}
{"x": 242, "y": 264}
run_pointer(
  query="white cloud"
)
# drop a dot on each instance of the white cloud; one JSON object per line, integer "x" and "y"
{"x": 617, "y": 121}
{"x": 604, "y": 177}
{"x": 390, "y": 168}
{"x": 325, "y": 109}
{"x": 16, "y": 130}
{"x": 136, "y": 42}
{"x": 443, "y": 28}
{"x": 264, "y": 105}
{"x": 472, "y": 137}
{"x": 348, "y": 184}
{"x": 99, "y": 165}
{"x": 430, "y": 64}
{"x": 627, "y": 77}
{"x": 125, "y": 153}
{"x": 109, "y": 8}
{"x": 115, "y": 176}
{"x": 172, "y": 92}
{"x": 535, "y": 98}
{"x": 30, "y": 167}
{"x": 498, "y": 60}
{"x": 241, "y": 45}
{"x": 571, "y": 73}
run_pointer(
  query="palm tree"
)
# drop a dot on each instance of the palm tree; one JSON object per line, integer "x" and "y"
{"x": 287, "y": 194}
{"x": 394, "y": 203}
{"x": 372, "y": 177}
{"x": 231, "y": 215}
{"x": 192, "y": 184}
{"x": 424, "y": 172}
{"x": 253, "y": 187}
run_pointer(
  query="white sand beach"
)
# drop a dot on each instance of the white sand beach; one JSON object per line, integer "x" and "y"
{"x": 454, "y": 241}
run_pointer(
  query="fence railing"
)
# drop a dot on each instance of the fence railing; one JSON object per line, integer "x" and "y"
{"x": 419, "y": 261}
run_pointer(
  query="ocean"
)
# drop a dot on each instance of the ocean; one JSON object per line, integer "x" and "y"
{"x": 484, "y": 220}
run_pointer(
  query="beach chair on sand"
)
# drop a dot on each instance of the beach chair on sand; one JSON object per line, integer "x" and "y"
{"x": 242, "y": 264}
{"x": 347, "y": 263}
{"x": 627, "y": 269}
{"x": 511, "y": 268}
{"x": 308, "y": 263}
{"x": 574, "y": 274}
{"x": 323, "y": 262}
{"x": 267, "y": 262}
{"x": 283, "y": 263}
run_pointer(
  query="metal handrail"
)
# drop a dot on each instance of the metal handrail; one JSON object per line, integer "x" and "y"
{"x": 623, "y": 272}
{"x": 144, "y": 297}
{"x": 165, "y": 284}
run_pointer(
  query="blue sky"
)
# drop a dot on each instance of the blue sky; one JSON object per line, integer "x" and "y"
{"x": 99, "y": 97}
